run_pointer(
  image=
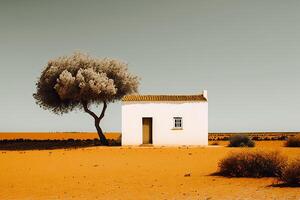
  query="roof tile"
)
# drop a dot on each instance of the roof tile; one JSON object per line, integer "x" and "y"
{"x": 198, "y": 97}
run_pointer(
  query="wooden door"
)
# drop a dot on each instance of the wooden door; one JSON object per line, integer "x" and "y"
{"x": 147, "y": 130}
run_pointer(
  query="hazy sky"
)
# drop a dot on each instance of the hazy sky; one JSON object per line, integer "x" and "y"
{"x": 246, "y": 53}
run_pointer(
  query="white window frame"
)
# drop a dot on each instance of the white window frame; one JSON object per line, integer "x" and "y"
{"x": 177, "y": 123}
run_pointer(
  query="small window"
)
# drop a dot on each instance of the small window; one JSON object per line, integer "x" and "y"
{"x": 177, "y": 122}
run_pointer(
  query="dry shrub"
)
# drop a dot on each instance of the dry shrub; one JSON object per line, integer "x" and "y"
{"x": 252, "y": 164}
{"x": 241, "y": 141}
{"x": 215, "y": 143}
{"x": 293, "y": 141}
{"x": 291, "y": 173}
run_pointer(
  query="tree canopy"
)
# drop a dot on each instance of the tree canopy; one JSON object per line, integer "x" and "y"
{"x": 70, "y": 82}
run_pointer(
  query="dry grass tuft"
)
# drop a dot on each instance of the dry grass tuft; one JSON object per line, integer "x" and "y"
{"x": 291, "y": 173}
{"x": 293, "y": 141}
{"x": 241, "y": 141}
{"x": 252, "y": 164}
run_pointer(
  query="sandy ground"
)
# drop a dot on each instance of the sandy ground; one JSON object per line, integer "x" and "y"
{"x": 132, "y": 173}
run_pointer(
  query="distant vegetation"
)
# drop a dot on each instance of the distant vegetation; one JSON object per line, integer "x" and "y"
{"x": 240, "y": 141}
{"x": 293, "y": 141}
{"x": 256, "y": 136}
{"x": 252, "y": 164}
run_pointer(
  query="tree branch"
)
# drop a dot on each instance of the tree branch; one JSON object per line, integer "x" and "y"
{"x": 86, "y": 109}
{"x": 103, "y": 110}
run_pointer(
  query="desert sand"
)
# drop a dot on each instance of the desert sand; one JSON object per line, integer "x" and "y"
{"x": 133, "y": 173}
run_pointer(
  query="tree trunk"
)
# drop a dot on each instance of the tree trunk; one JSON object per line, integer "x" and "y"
{"x": 102, "y": 137}
{"x": 97, "y": 119}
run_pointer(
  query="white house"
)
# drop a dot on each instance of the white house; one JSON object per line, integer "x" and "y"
{"x": 165, "y": 119}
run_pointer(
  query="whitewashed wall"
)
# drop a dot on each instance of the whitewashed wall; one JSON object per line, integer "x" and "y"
{"x": 194, "y": 117}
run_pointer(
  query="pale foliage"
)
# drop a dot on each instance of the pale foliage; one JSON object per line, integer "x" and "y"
{"x": 68, "y": 81}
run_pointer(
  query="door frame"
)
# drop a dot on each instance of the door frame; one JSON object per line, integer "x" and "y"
{"x": 150, "y": 132}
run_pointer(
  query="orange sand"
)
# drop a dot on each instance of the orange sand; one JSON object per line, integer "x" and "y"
{"x": 132, "y": 173}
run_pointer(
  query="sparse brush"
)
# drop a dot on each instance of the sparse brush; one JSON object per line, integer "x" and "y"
{"x": 293, "y": 141}
{"x": 291, "y": 173}
{"x": 215, "y": 143}
{"x": 252, "y": 164}
{"x": 241, "y": 141}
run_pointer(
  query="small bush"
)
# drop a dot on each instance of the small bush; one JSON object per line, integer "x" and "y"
{"x": 293, "y": 141}
{"x": 291, "y": 173}
{"x": 252, "y": 164}
{"x": 215, "y": 143}
{"x": 241, "y": 141}
{"x": 256, "y": 138}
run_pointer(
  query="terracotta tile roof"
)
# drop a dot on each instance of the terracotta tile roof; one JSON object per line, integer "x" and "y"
{"x": 198, "y": 97}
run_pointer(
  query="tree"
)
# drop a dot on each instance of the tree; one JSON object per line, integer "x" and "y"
{"x": 77, "y": 81}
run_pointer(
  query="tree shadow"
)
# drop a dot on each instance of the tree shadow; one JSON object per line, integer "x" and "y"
{"x": 28, "y": 144}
